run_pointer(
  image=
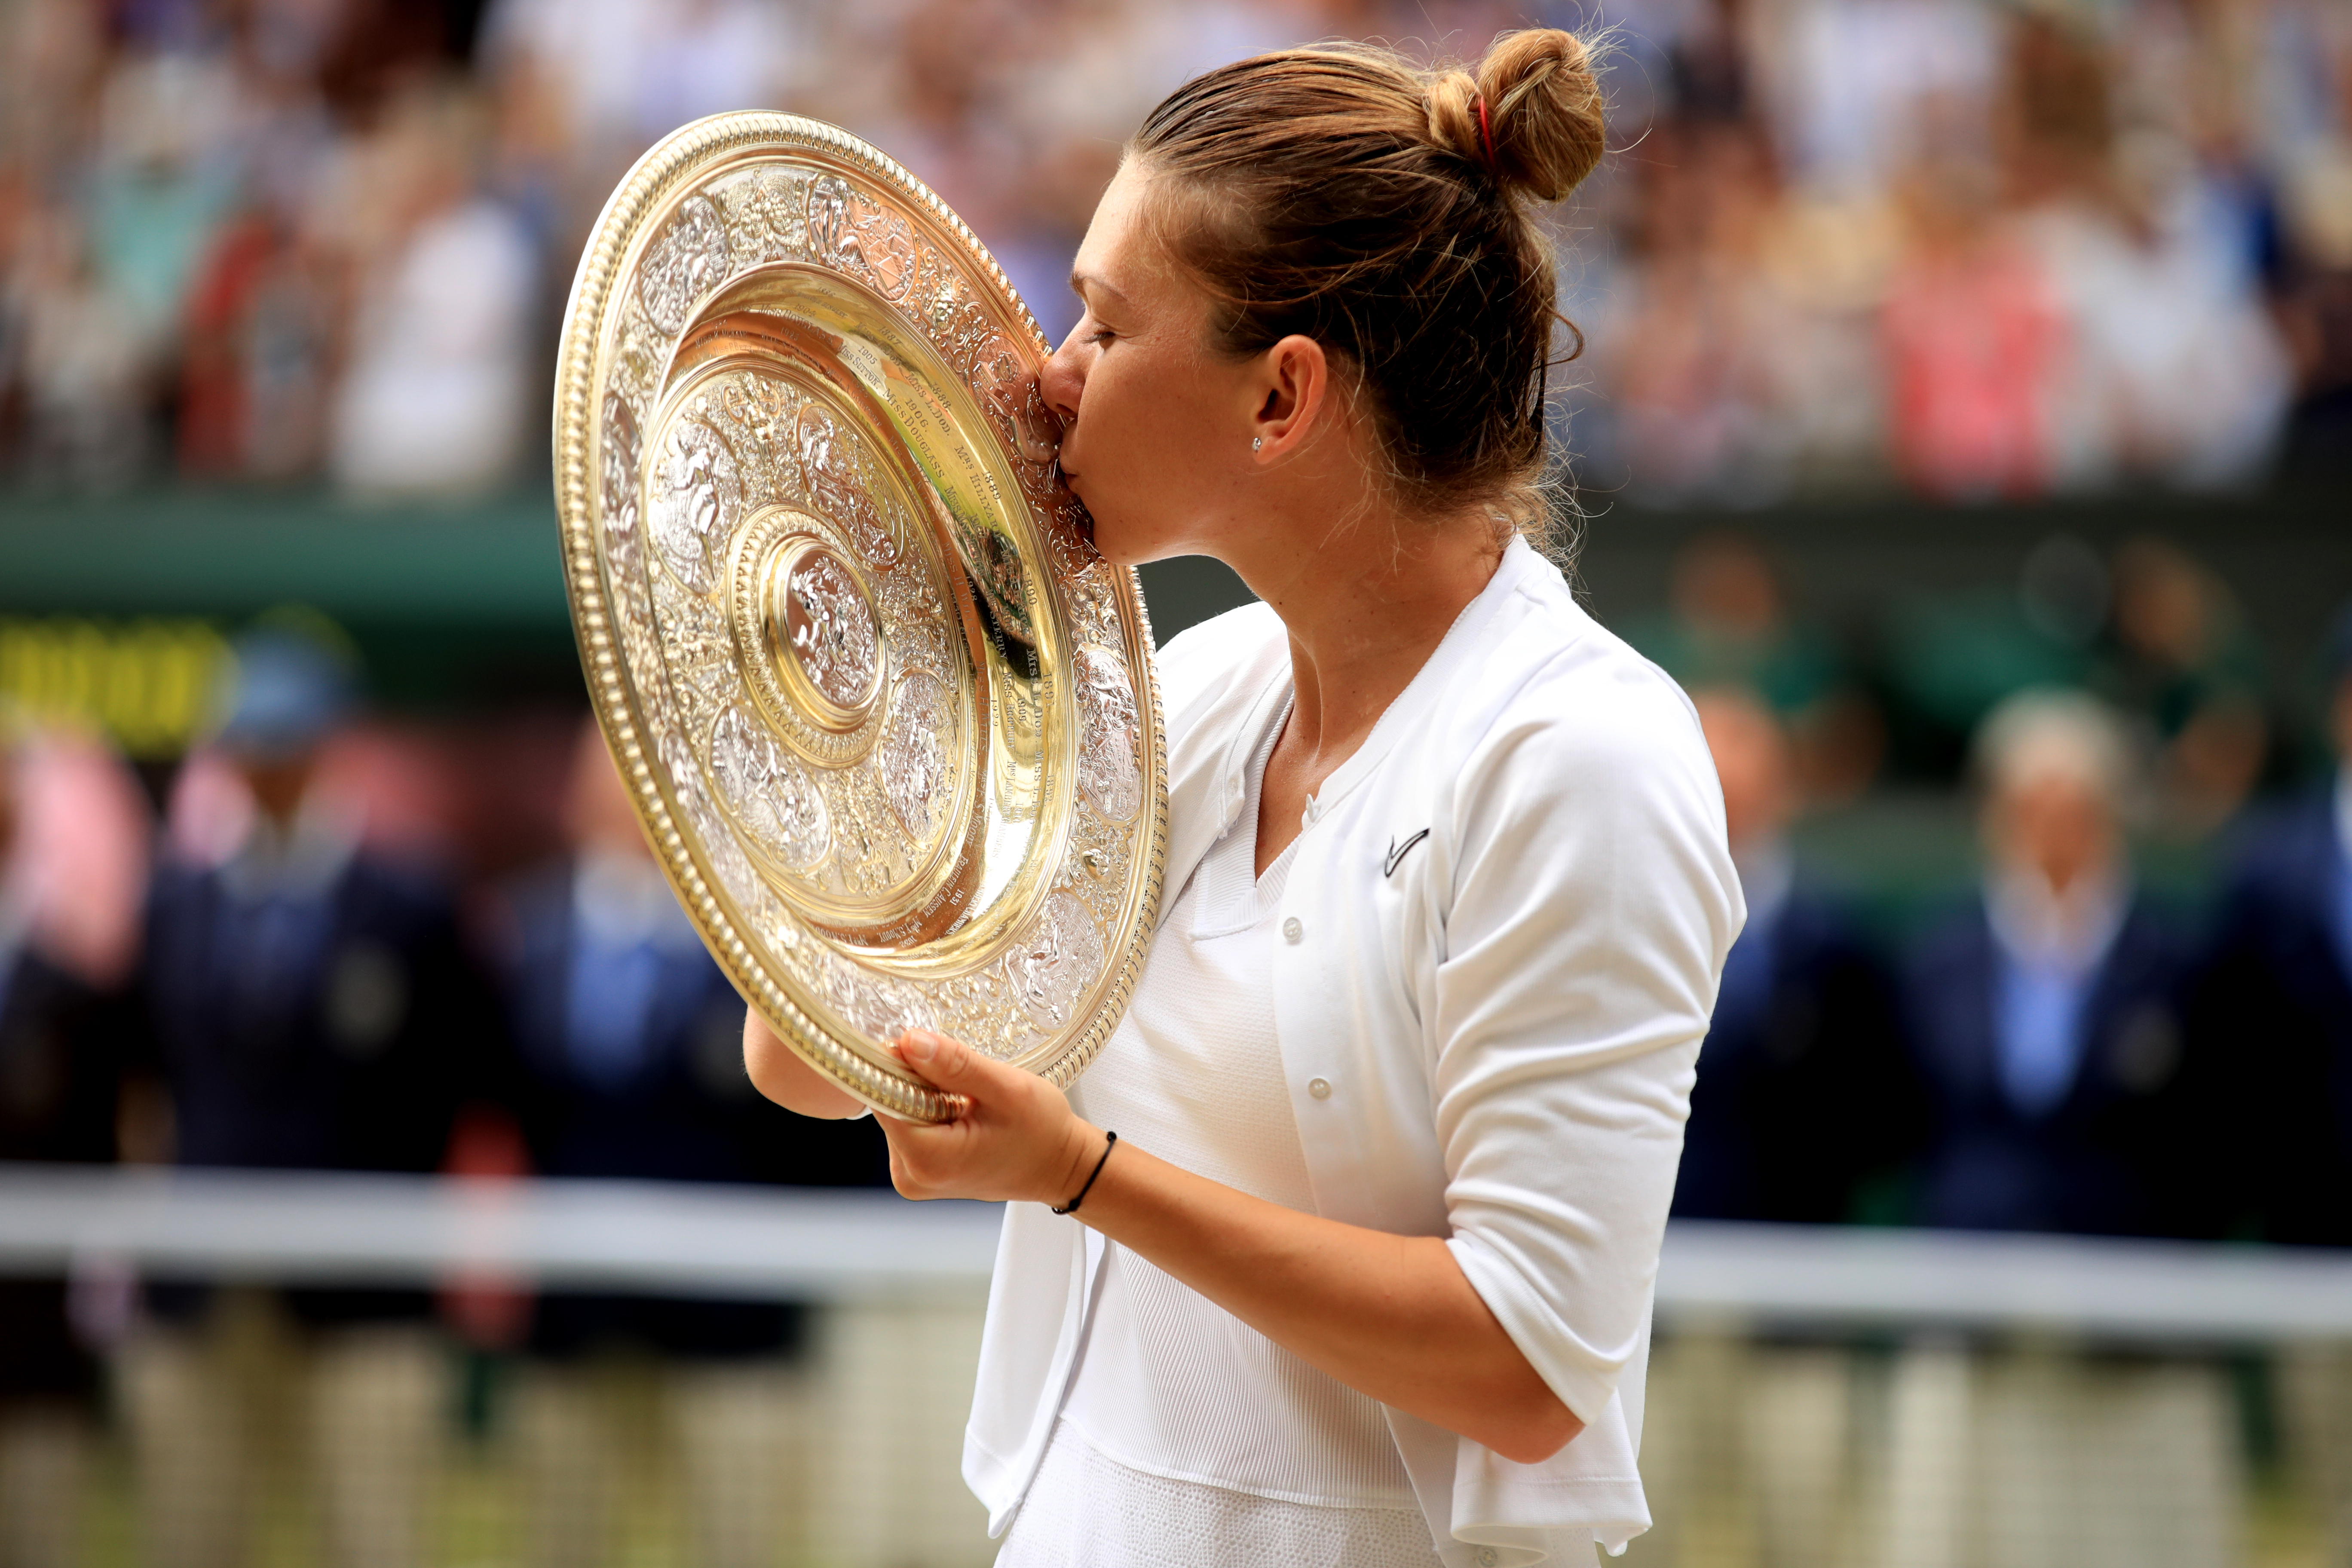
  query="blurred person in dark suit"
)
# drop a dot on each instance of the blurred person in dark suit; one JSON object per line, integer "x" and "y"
{"x": 1804, "y": 1096}
{"x": 313, "y": 1008}
{"x": 2273, "y": 1056}
{"x": 629, "y": 1041}
{"x": 73, "y": 864}
{"x": 2274, "y": 1024}
{"x": 1804, "y": 1090}
{"x": 2047, "y": 1020}
{"x": 2048, "y": 1024}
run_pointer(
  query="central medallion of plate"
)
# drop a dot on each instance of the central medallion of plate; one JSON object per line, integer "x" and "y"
{"x": 821, "y": 631}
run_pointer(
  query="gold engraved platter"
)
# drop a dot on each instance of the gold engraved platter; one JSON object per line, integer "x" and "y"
{"x": 890, "y": 720}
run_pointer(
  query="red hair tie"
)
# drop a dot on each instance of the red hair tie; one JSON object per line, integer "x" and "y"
{"x": 1486, "y": 131}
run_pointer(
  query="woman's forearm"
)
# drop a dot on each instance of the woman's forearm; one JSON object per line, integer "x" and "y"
{"x": 1390, "y": 1316}
{"x": 777, "y": 1071}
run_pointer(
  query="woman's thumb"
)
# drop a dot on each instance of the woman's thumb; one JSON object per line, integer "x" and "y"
{"x": 943, "y": 1063}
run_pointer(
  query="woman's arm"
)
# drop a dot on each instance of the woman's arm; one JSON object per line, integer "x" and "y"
{"x": 778, "y": 1072}
{"x": 1390, "y": 1316}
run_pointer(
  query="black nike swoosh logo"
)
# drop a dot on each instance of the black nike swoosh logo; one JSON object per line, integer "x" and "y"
{"x": 1397, "y": 852}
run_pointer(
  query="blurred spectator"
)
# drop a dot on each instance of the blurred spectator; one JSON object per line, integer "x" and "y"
{"x": 2172, "y": 370}
{"x": 2183, "y": 660}
{"x": 631, "y": 1043}
{"x": 79, "y": 356}
{"x": 253, "y": 380}
{"x": 622, "y": 74}
{"x": 73, "y": 835}
{"x": 1729, "y": 624}
{"x": 433, "y": 399}
{"x": 2273, "y": 1057}
{"x": 2047, "y": 1020}
{"x": 2048, "y": 1028}
{"x": 1975, "y": 347}
{"x": 313, "y": 1009}
{"x": 164, "y": 178}
{"x": 1803, "y": 1087}
{"x": 2280, "y": 998}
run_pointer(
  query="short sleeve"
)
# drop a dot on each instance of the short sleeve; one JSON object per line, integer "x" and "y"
{"x": 1589, "y": 902}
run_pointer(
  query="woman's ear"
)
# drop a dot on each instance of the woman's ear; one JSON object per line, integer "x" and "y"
{"x": 1291, "y": 387}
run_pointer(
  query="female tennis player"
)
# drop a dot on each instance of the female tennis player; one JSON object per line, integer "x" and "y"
{"x": 1365, "y": 1279}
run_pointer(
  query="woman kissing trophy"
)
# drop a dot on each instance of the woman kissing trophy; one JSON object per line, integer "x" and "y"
{"x": 1343, "y": 1251}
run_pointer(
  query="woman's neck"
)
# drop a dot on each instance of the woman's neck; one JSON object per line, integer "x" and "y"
{"x": 1365, "y": 606}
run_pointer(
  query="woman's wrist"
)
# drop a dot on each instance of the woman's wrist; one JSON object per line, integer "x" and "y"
{"x": 1083, "y": 1147}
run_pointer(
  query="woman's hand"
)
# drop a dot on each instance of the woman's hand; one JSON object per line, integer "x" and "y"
{"x": 1015, "y": 1138}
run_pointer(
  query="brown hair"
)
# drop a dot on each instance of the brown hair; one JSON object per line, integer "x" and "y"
{"x": 1341, "y": 194}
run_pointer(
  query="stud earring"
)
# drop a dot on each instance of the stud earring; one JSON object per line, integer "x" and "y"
{"x": 1255, "y": 442}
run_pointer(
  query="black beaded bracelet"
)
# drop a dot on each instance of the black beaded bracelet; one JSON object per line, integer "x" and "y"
{"x": 1075, "y": 1202}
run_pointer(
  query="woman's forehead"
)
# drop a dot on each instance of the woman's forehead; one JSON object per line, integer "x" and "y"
{"x": 1124, "y": 258}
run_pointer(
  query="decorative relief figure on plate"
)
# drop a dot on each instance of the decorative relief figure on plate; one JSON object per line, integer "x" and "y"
{"x": 618, "y": 478}
{"x": 770, "y": 793}
{"x": 687, "y": 261}
{"x": 913, "y": 754}
{"x": 1061, "y": 958}
{"x": 828, "y": 221}
{"x": 766, "y": 215}
{"x": 696, "y": 496}
{"x": 1110, "y": 770}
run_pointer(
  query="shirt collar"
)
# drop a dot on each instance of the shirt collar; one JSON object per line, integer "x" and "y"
{"x": 300, "y": 861}
{"x": 2066, "y": 934}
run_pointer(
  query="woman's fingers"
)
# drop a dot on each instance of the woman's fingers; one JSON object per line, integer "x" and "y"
{"x": 1010, "y": 1139}
{"x": 950, "y": 1066}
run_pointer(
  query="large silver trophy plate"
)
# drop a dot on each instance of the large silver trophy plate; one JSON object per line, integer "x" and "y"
{"x": 887, "y": 718}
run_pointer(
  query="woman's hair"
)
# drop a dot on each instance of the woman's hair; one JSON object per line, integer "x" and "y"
{"x": 1388, "y": 213}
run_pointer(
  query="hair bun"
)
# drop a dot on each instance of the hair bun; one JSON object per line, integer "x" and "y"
{"x": 1543, "y": 130}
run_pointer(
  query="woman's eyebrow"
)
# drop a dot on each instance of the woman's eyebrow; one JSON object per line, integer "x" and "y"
{"x": 1081, "y": 281}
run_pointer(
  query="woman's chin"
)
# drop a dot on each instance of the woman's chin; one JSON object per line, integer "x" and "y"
{"x": 1124, "y": 539}
{"x": 1117, "y": 544}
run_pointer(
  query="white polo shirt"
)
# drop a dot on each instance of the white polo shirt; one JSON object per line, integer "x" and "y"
{"x": 1502, "y": 930}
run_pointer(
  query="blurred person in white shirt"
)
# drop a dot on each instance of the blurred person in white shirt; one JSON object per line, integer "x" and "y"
{"x": 80, "y": 359}
{"x": 435, "y": 397}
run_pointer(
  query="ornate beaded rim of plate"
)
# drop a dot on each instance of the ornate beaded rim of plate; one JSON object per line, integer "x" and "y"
{"x": 890, "y": 722}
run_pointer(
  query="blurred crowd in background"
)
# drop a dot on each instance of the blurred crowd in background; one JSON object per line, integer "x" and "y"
{"x": 1972, "y": 248}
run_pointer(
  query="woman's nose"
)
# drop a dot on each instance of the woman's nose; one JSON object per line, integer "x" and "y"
{"x": 1063, "y": 378}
